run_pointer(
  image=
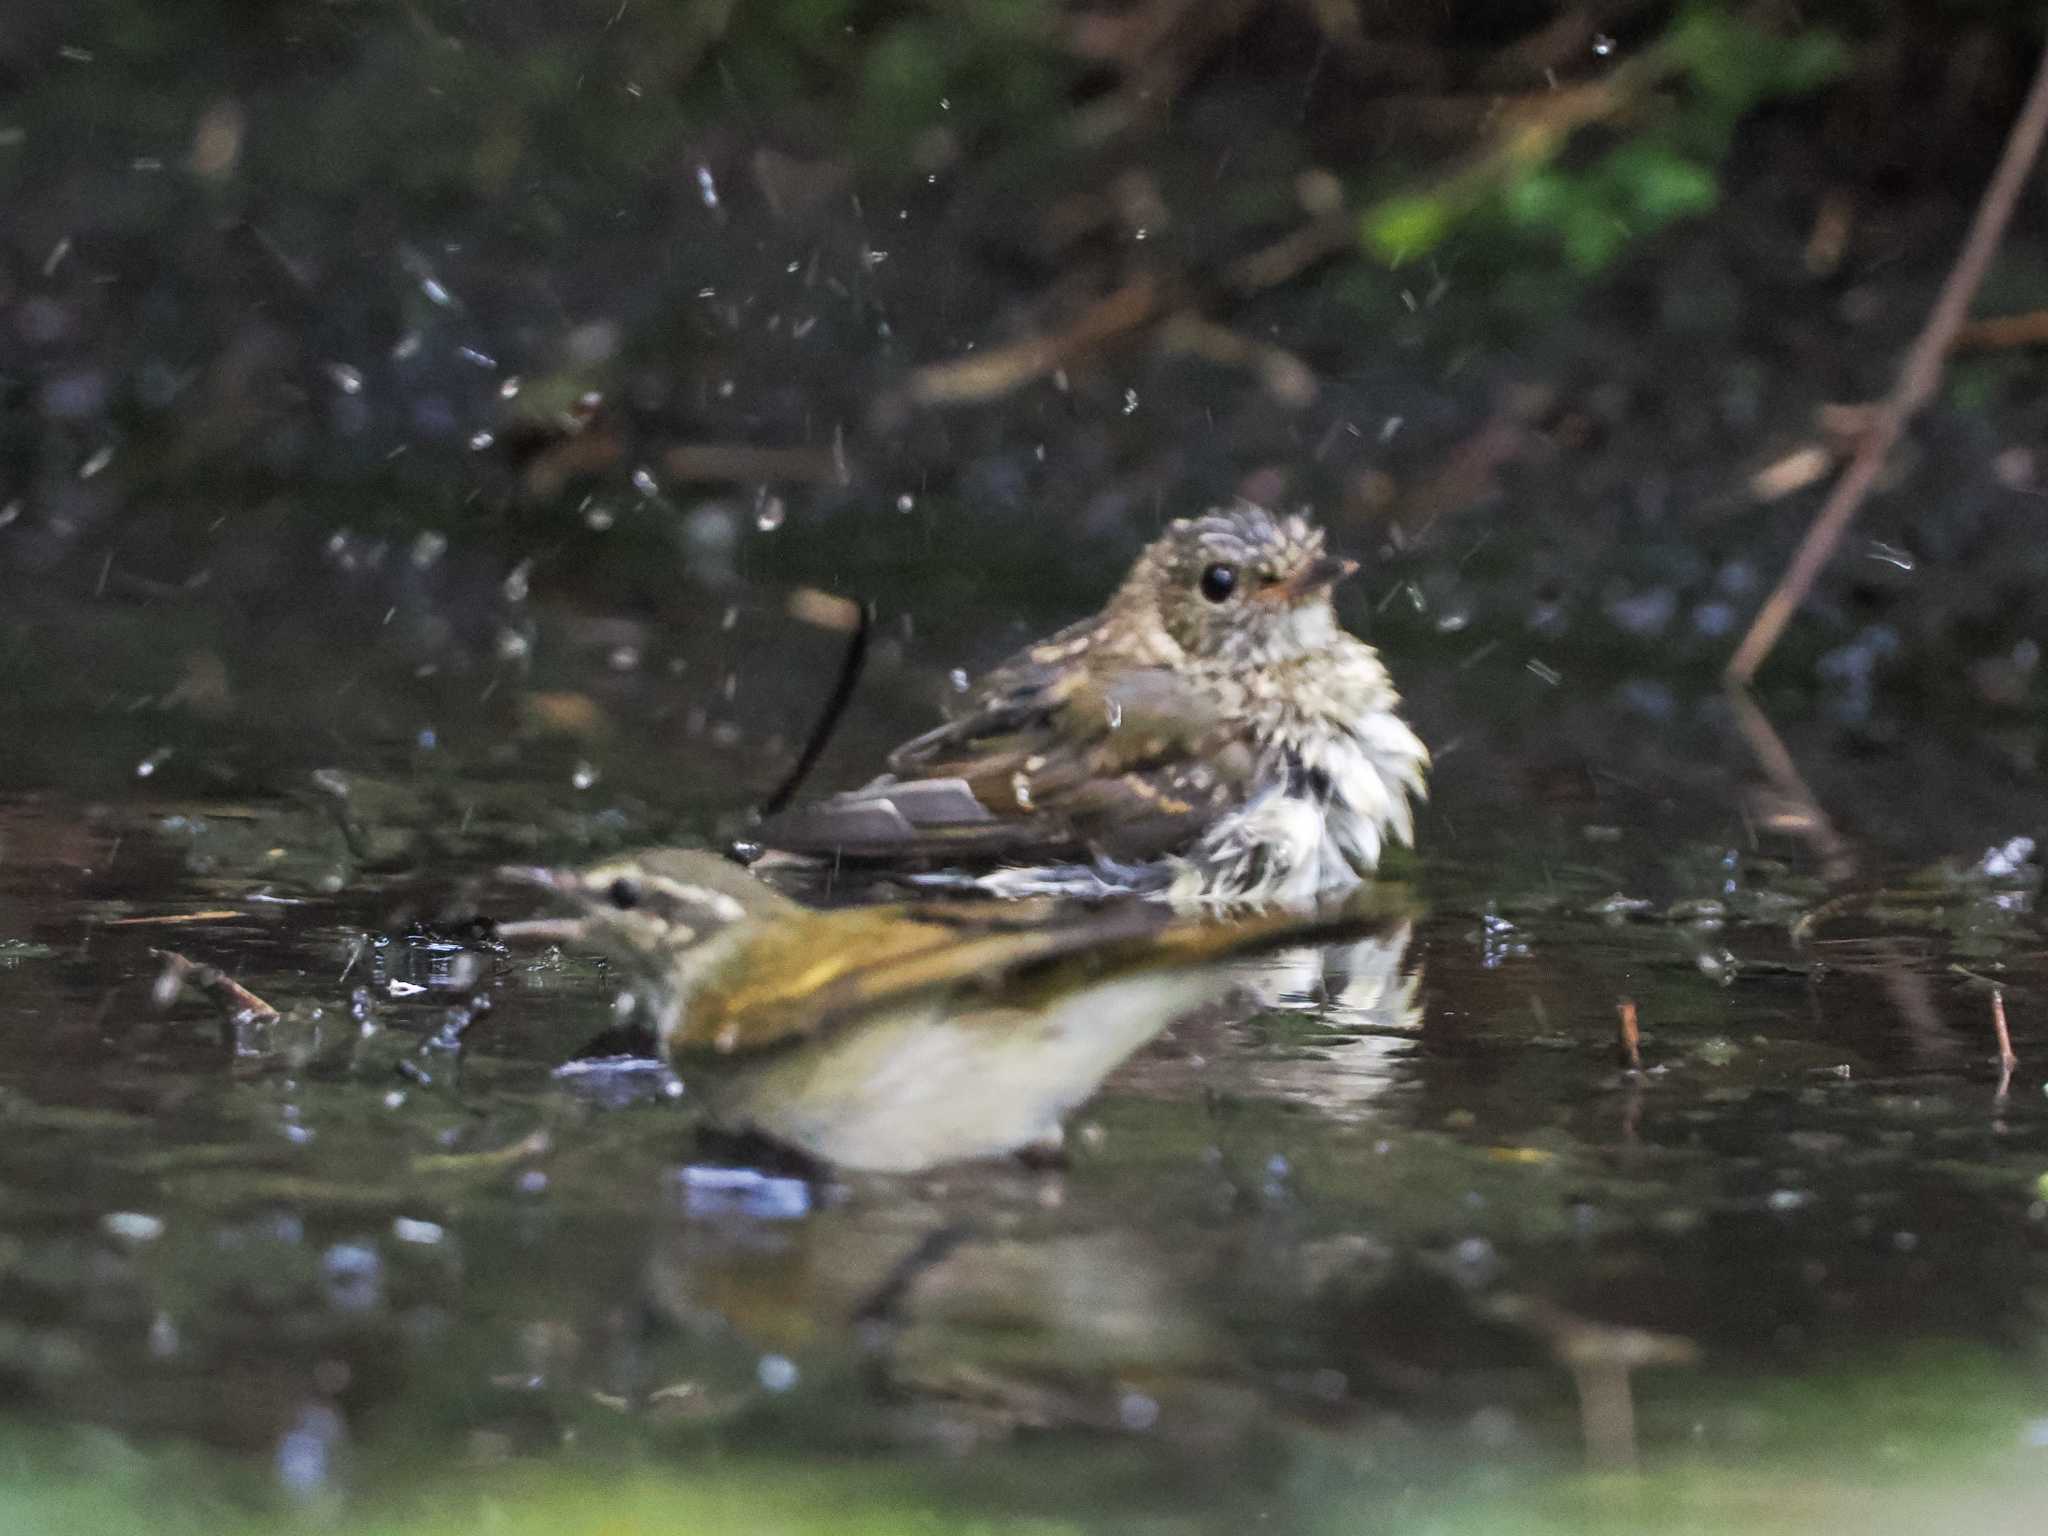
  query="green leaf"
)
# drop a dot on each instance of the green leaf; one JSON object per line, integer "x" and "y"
{"x": 1403, "y": 227}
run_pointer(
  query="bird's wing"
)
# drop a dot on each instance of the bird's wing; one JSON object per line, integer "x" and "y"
{"x": 798, "y": 980}
{"x": 792, "y": 979}
{"x": 1046, "y": 760}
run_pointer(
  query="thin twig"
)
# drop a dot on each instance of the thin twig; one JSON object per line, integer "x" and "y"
{"x": 214, "y": 915}
{"x": 1837, "y": 858}
{"x": 1285, "y": 377}
{"x": 234, "y": 999}
{"x": 2006, "y": 1059}
{"x": 828, "y": 719}
{"x": 1908, "y": 988}
{"x": 1919, "y": 376}
{"x": 1631, "y": 1036}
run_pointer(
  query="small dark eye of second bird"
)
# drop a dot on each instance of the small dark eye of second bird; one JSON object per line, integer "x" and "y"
{"x": 624, "y": 894}
{"x": 1218, "y": 582}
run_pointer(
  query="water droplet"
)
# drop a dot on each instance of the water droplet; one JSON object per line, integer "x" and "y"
{"x": 706, "y": 187}
{"x": 510, "y": 388}
{"x": 100, "y": 459}
{"x": 306, "y": 1453}
{"x": 1603, "y": 45}
{"x": 645, "y": 483}
{"x": 346, "y": 379}
{"x": 584, "y": 777}
{"x": 431, "y": 287}
{"x": 769, "y": 513}
{"x": 958, "y": 678}
{"x": 132, "y": 1226}
{"x": 408, "y": 1230}
{"x": 354, "y": 1275}
{"x": 479, "y": 359}
{"x": 778, "y": 1373}
{"x": 1130, "y": 401}
{"x": 148, "y": 766}
{"x": 1137, "y": 1412}
{"x": 905, "y": 502}
{"x": 518, "y": 581}
{"x": 479, "y": 441}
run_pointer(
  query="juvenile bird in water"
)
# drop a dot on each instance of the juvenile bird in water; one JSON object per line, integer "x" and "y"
{"x": 899, "y": 1035}
{"x": 1212, "y": 735}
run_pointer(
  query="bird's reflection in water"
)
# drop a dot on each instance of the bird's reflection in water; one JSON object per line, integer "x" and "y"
{"x": 984, "y": 1293}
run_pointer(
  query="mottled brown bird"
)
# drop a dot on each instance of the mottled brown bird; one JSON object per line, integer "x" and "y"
{"x": 1213, "y": 734}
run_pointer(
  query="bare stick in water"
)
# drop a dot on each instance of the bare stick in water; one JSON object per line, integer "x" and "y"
{"x": 2006, "y": 1059}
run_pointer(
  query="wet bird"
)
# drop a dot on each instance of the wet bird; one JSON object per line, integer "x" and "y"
{"x": 1212, "y": 735}
{"x": 902, "y": 1035}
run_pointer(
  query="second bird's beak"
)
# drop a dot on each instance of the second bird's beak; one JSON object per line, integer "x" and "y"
{"x": 537, "y": 877}
{"x": 541, "y": 930}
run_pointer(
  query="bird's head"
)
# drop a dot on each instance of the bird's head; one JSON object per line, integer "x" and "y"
{"x": 648, "y": 908}
{"x": 1237, "y": 585}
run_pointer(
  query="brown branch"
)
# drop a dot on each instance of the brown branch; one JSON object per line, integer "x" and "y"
{"x": 1285, "y": 377}
{"x": 996, "y": 372}
{"x": 1919, "y": 376}
{"x": 2000, "y": 333}
{"x": 1326, "y": 235}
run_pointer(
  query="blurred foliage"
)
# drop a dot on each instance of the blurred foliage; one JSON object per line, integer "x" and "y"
{"x": 1941, "y": 1436}
{"x": 1670, "y": 115}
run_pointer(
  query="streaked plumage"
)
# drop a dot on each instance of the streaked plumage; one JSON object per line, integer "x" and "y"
{"x": 1205, "y": 737}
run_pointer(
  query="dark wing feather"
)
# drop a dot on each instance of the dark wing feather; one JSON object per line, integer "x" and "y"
{"x": 1046, "y": 761}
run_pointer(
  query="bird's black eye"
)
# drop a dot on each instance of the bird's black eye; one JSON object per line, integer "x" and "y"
{"x": 1218, "y": 582}
{"x": 624, "y": 894}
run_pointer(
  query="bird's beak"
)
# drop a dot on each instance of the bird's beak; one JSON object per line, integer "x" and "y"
{"x": 537, "y": 877}
{"x": 1311, "y": 576}
{"x": 540, "y": 930}
{"x": 543, "y": 930}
